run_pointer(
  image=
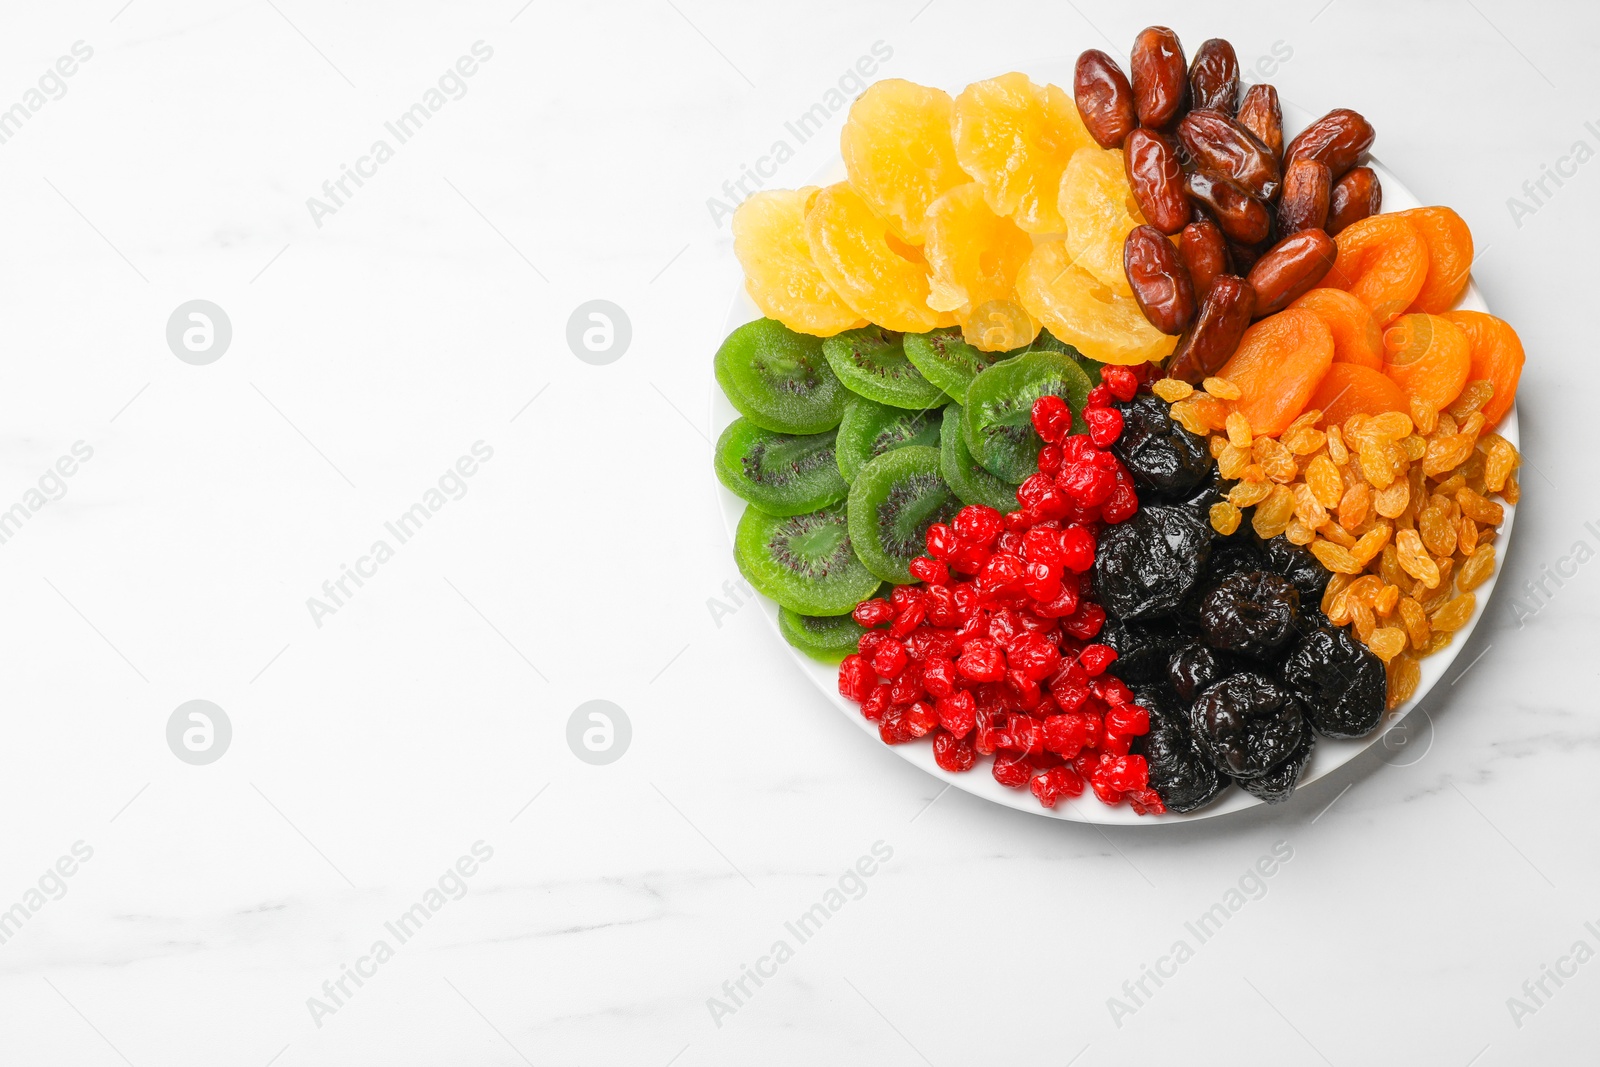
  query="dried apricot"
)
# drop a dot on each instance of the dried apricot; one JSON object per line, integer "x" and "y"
{"x": 1080, "y": 310}
{"x": 1428, "y": 357}
{"x": 973, "y": 258}
{"x": 898, "y": 153}
{"x": 1382, "y": 262}
{"x": 769, "y": 237}
{"x": 1349, "y": 389}
{"x": 1015, "y": 138}
{"x": 883, "y": 279}
{"x": 1449, "y": 244}
{"x": 1277, "y": 367}
{"x": 1099, "y": 211}
{"x": 1496, "y": 356}
{"x": 1356, "y": 337}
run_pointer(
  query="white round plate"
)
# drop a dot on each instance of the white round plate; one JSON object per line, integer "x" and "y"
{"x": 1328, "y": 756}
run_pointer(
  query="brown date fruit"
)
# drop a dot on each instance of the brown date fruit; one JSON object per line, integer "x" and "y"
{"x": 1226, "y": 150}
{"x": 1355, "y": 196}
{"x": 1204, "y": 252}
{"x": 1224, "y": 315}
{"x": 1242, "y": 217}
{"x": 1104, "y": 98}
{"x": 1159, "y": 280}
{"x": 1260, "y": 114}
{"x": 1337, "y": 139}
{"x": 1307, "y": 189}
{"x": 1156, "y": 179}
{"x": 1214, "y": 77}
{"x": 1160, "y": 76}
{"x": 1292, "y": 268}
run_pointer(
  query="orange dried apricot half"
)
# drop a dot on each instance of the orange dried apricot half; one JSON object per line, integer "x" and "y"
{"x": 1497, "y": 357}
{"x": 880, "y": 277}
{"x": 1278, "y": 365}
{"x": 1015, "y": 138}
{"x": 1084, "y": 312}
{"x": 973, "y": 259}
{"x": 1356, "y": 338}
{"x": 769, "y": 237}
{"x": 1428, "y": 357}
{"x": 1449, "y": 244}
{"x": 1382, "y": 261}
{"x": 1098, "y": 208}
{"x": 898, "y": 152}
{"x": 1351, "y": 389}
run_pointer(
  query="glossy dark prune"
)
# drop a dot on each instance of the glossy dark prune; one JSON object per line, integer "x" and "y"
{"x": 1339, "y": 680}
{"x": 1143, "y": 649}
{"x": 1145, "y": 566}
{"x": 1277, "y": 785}
{"x": 1196, "y": 667}
{"x": 1162, "y": 456}
{"x": 1180, "y": 771}
{"x": 1248, "y": 724}
{"x": 1296, "y": 563}
{"x": 1252, "y": 614}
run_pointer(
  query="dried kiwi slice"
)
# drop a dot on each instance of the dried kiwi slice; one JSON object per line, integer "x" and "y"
{"x": 779, "y": 379}
{"x": 948, "y": 361}
{"x": 1048, "y": 342}
{"x": 872, "y": 362}
{"x": 893, "y": 501}
{"x": 829, "y": 638}
{"x": 780, "y": 473}
{"x": 804, "y": 562}
{"x": 963, "y": 474}
{"x": 998, "y": 413}
{"x": 870, "y": 429}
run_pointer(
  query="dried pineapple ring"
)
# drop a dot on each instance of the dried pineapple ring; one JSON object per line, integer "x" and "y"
{"x": 1015, "y": 138}
{"x": 769, "y": 237}
{"x": 1078, "y": 309}
{"x": 973, "y": 259}
{"x": 883, "y": 279}
{"x": 1098, "y": 207}
{"x": 898, "y": 152}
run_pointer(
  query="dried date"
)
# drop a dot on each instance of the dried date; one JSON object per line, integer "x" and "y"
{"x": 1242, "y": 217}
{"x": 1337, "y": 139}
{"x": 1160, "y": 76}
{"x": 1159, "y": 279}
{"x": 1104, "y": 98}
{"x": 1293, "y": 266}
{"x": 1307, "y": 188}
{"x": 1204, "y": 252}
{"x": 1156, "y": 180}
{"x": 1260, "y": 113}
{"x": 1225, "y": 150}
{"x": 1354, "y": 197}
{"x": 1224, "y": 315}
{"x": 1214, "y": 77}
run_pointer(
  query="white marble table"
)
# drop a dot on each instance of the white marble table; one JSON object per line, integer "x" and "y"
{"x": 398, "y": 770}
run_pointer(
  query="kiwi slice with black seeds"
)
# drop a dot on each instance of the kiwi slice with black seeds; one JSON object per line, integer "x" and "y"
{"x": 965, "y": 476}
{"x": 870, "y": 429}
{"x": 780, "y": 473}
{"x": 893, "y": 501}
{"x": 828, "y": 638}
{"x": 804, "y": 562}
{"x": 779, "y": 379}
{"x": 948, "y": 361}
{"x": 998, "y": 413}
{"x": 872, "y": 362}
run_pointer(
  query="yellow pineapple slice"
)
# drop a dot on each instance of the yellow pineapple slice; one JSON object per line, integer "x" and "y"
{"x": 898, "y": 153}
{"x": 1085, "y": 313}
{"x": 769, "y": 237}
{"x": 973, "y": 259}
{"x": 881, "y": 277}
{"x": 1015, "y": 138}
{"x": 1098, "y": 207}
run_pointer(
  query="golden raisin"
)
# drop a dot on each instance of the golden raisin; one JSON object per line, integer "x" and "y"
{"x": 1337, "y": 534}
{"x": 1446, "y": 452}
{"x": 1307, "y": 508}
{"x": 1438, "y": 531}
{"x": 1238, "y": 430}
{"x": 1513, "y": 490}
{"x": 1476, "y": 570}
{"x": 1225, "y": 517}
{"x": 1472, "y": 397}
{"x": 1414, "y": 558}
{"x": 1298, "y": 533}
{"x": 1467, "y": 536}
{"x": 1171, "y": 389}
{"x": 1379, "y": 463}
{"x": 1276, "y": 461}
{"x": 1371, "y": 543}
{"x": 1386, "y": 600}
{"x": 1336, "y": 448}
{"x": 1361, "y": 618}
{"x": 1322, "y": 478}
{"x": 1454, "y": 615}
{"x": 1303, "y": 440}
{"x": 1387, "y": 642}
{"x": 1248, "y": 493}
{"x": 1405, "y": 674}
{"x": 1416, "y": 621}
{"x": 1231, "y": 461}
{"x": 1479, "y": 508}
{"x": 1391, "y": 502}
{"x": 1222, "y": 389}
{"x": 1272, "y": 514}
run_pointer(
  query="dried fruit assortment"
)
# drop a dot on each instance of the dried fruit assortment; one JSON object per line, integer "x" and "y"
{"x": 1113, "y": 439}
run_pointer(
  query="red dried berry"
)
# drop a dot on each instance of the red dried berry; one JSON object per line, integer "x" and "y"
{"x": 1120, "y": 381}
{"x": 1054, "y": 784}
{"x": 1100, "y": 395}
{"x": 1050, "y": 459}
{"x": 1077, "y": 549}
{"x": 981, "y": 661}
{"x": 1033, "y": 655}
{"x": 1096, "y": 658}
{"x": 870, "y": 613}
{"x": 953, "y": 753}
{"x": 889, "y": 659}
{"x": 941, "y": 541}
{"x": 906, "y": 688}
{"x": 928, "y": 570}
{"x": 1086, "y": 622}
{"x": 1052, "y": 418}
{"x": 1130, "y": 720}
{"x": 1012, "y": 771}
{"x": 957, "y": 712}
{"x": 978, "y": 526}
{"x": 939, "y": 676}
{"x": 856, "y": 679}
{"x": 1105, "y": 425}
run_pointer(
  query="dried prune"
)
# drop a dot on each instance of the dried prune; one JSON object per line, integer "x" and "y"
{"x": 1143, "y": 649}
{"x": 1180, "y": 771}
{"x": 1296, "y": 563}
{"x": 1253, "y": 614}
{"x": 1144, "y": 567}
{"x": 1277, "y": 785}
{"x": 1248, "y": 724}
{"x": 1161, "y": 455}
{"x": 1339, "y": 680}
{"x": 1196, "y": 667}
